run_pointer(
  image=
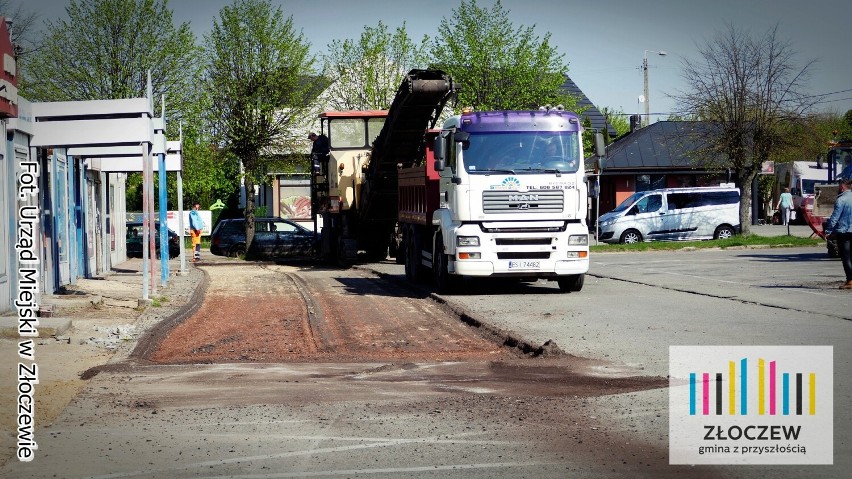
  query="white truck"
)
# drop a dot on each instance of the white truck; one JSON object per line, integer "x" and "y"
{"x": 800, "y": 177}
{"x": 490, "y": 194}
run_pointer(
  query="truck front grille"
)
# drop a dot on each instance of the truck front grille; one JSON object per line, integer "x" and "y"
{"x": 506, "y": 201}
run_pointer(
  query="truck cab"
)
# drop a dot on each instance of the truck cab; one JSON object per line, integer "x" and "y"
{"x": 513, "y": 196}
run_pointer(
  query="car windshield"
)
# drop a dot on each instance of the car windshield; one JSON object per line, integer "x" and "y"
{"x": 522, "y": 152}
{"x": 628, "y": 202}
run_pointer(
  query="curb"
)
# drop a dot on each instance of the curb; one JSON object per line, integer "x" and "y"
{"x": 150, "y": 340}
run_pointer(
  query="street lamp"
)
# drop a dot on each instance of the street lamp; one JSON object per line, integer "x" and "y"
{"x": 645, "y": 74}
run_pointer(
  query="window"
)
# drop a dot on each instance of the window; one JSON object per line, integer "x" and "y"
{"x": 374, "y": 127}
{"x": 261, "y": 226}
{"x": 702, "y": 198}
{"x": 681, "y": 181}
{"x": 347, "y": 133}
{"x": 450, "y": 154}
{"x": 716, "y": 198}
{"x": 354, "y": 132}
{"x": 283, "y": 227}
{"x": 650, "y": 182}
{"x": 649, "y": 204}
{"x": 232, "y": 227}
{"x": 678, "y": 201}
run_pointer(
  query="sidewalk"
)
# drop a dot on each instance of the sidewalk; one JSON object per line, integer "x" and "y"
{"x": 96, "y": 323}
{"x": 803, "y": 231}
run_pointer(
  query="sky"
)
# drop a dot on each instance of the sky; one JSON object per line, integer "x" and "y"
{"x": 603, "y": 42}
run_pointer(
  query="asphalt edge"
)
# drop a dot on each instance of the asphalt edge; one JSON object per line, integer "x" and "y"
{"x": 150, "y": 340}
{"x": 500, "y": 336}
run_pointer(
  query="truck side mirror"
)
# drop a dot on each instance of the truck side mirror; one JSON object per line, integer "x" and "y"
{"x": 438, "y": 148}
{"x": 600, "y": 146}
{"x": 439, "y": 151}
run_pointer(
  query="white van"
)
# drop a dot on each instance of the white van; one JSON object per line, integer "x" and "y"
{"x": 673, "y": 214}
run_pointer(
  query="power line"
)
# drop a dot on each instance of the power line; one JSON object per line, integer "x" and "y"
{"x": 827, "y": 94}
{"x": 832, "y": 101}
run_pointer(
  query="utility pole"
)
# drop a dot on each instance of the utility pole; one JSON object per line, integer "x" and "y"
{"x": 645, "y": 75}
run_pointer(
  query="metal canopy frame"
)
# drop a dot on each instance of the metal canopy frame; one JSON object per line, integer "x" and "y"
{"x": 113, "y": 136}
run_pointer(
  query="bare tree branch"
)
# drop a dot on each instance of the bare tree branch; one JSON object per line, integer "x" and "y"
{"x": 750, "y": 90}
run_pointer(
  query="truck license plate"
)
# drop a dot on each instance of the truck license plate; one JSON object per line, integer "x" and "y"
{"x": 524, "y": 264}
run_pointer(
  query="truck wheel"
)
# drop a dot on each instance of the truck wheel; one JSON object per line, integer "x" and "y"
{"x": 413, "y": 268}
{"x": 327, "y": 247}
{"x": 342, "y": 260}
{"x": 397, "y": 249}
{"x": 572, "y": 283}
{"x": 444, "y": 281}
{"x": 377, "y": 253}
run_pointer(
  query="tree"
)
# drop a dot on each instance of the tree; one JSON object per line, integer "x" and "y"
{"x": 365, "y": 74}
{"x": 105, "y": 50}
{"x": 810, "y": 137}
{"x": 498, "y": 66}
{"x": 255, "y": 65}
{"x": 618, "y": 120}
{"x": 748, "y": 90}
{"x": 22, "y": 30}
{"x": 847, "y": 127}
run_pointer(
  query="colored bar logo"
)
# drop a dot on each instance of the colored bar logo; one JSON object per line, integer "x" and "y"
{"x": 767, "y": 390}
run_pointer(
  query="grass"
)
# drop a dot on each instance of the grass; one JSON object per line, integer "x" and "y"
{"x": 751, "y": 241}
{"x": 158, "y": 302}
{"x": 205, "y": 242}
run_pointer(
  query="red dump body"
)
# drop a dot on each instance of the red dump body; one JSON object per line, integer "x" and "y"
{"x": 419, "y": 188}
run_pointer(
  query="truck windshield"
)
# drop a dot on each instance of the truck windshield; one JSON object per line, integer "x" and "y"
{"x": 522, "y": 152}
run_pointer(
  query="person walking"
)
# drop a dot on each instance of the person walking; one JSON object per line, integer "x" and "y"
{"x": 839, "y": 225}
{"x": 196, "y": 224}
{"x": 785, "y": 206}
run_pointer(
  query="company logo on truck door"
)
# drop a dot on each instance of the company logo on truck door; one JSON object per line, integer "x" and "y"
{"x": 510, "y": 183}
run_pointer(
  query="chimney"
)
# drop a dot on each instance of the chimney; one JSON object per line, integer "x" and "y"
{"x": 634, "y": 122}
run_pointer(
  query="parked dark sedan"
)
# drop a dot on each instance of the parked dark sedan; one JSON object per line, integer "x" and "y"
{"x": 134, "y": 241}
{"x": 273, "y": 237}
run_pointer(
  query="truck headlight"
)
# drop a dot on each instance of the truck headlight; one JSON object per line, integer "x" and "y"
{"x": 467, "y": 241}
{"x": 578, "y": 240}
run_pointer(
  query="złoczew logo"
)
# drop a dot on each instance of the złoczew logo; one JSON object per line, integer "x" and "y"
{"x": 751, "y": 405}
